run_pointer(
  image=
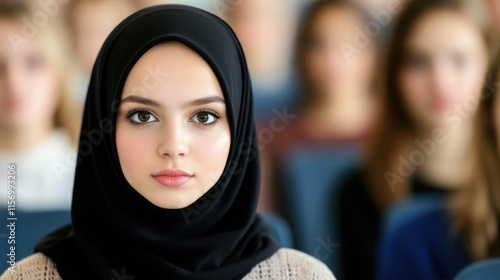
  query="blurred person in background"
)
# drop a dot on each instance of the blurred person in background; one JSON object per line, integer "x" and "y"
{"x": 39, "y": 123}
{"x": 424, "y": 141}
{"x": 140, "y": 4}
{"x": 438, "y": 242}
{"x": 337, "y": 98}
{"x": 382, "y": 14}
{"x": 265, "y": 29}
{"x": 494, "y": 8}
{"x": 372, "y": 4}
{"x": 90, "y": 22}
{"x": 208, "y": 5}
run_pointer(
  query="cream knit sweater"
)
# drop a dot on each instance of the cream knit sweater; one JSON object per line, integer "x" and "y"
{"x": 284, "y": 264}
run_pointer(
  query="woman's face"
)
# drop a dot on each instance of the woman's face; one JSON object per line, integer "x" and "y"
{"x": 28, "y": 85}
{"x": 444, "y": 64}
{"x": 329, "y": 67}
{"x": 494, "y": 7}
{"x": 92, "y": 21}
{"x": 263, "y": 28}
{"x": 172, "y": 133}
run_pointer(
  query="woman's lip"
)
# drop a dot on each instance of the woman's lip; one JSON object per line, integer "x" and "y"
{"x": 442, "y": 104}
{"x": 173, "y": 173}
{"x": 172, "y": 177}
{"x": 172, "y": 181}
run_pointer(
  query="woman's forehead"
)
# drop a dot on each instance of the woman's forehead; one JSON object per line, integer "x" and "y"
{"x": 172, "y": 71}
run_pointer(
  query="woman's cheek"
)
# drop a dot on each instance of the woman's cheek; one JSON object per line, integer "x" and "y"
{"x": 133, "y": 149}
{"x": 212, "y": 150}
{"x": 470, "y": 87}
{"x": 413, "y": 91}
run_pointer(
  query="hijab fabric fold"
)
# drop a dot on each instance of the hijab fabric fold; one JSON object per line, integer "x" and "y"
{"x": 116, "y": 233}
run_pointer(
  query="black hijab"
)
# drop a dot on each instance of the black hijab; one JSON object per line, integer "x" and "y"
{"x": 115, "y": 232}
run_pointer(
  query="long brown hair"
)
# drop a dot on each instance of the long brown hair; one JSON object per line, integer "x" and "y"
{"x": 476, "y": 209}
{"x": 395, "y": 130}
{"x": 53, "y": 40}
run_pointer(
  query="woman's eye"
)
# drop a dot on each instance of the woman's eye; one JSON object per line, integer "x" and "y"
{"x": 315, "y": 45}
{"x": 33, "y": 63}
{"x": 416, "y": 62}
{"x": 204, "y": 118}
{"x": 142, "y": 117}
{"x": 460, "y": 62}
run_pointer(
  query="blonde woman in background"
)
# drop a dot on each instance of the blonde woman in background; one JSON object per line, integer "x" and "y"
{"x": 39, "y": 124}
{"x": 90, "y": 22}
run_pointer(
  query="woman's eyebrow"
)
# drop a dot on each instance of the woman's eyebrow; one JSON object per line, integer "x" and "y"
{"x": 203, "y": 101}
{"x": 192, "y": 103}
{"x": 141, "y": 100}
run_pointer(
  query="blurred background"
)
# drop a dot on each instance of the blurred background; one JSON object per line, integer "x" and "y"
{"x": 376, "y": 119}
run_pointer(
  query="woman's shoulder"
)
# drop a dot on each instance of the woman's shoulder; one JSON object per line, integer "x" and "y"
{"x": 418, "y": 217}
{"x": 420, "y": 242}
{"x": 37, "y": 266}
{"x": 290, "y": 264}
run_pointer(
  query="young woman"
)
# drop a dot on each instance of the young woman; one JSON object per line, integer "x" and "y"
{"x": 441, "y": 240}
{"x": 171, "y": 188}
{"x": 265, "y": 30}
{"x": 337, "y": 96}
{"x": 494, "y": 8}
{"x": 90, "y": 22}
{"x": 39, "y": 123}
{"x": 338, "y": 84}
{"x": 424, "y": 141}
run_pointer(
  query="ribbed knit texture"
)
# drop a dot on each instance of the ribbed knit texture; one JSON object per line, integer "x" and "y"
{"x": 284, "y": 264}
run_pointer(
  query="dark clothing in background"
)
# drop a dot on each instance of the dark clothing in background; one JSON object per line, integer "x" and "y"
{"x": 360, "y": 222}
{"x": 424, "y": 246}
{"x": 293, "y": 134}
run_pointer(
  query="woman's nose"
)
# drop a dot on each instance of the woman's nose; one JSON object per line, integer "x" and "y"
{"x": 174, "y": 140}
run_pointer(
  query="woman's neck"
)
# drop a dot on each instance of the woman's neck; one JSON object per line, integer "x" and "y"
{"x": 449, "y": 164}
{"x": 345, "y": 115}
{"x": 17, "y": 139}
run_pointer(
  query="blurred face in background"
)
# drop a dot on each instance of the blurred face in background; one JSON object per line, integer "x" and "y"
{"x": 91, "y": 23}
{"x": 146, "y": 3}
{"x": 494, "y": 8}
{"x": 443, "y": 68}
{"x": 264, "y": 29}
{"x": 28, "y": 82}
{"x": 327, "y": 69}
{"x": 376, "y": 5}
